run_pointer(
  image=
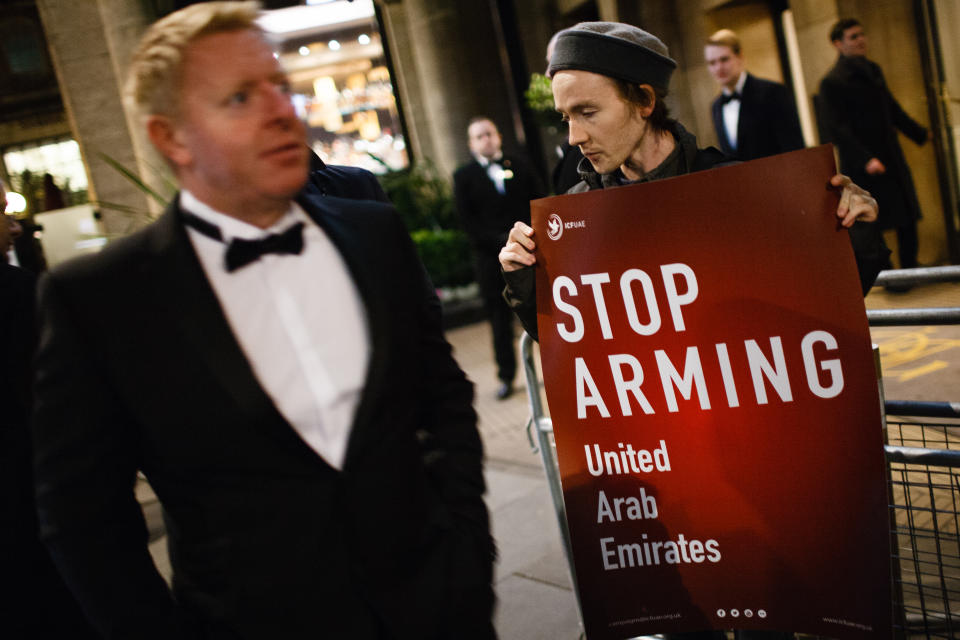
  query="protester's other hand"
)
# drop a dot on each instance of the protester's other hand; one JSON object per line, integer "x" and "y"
{"x": 855, "y": 203}
{"x": 518, "y": 252}
{"x": 875, "y": 167}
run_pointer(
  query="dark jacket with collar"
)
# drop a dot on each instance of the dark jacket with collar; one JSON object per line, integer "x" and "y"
{"x": 860, "y": 115}
{"x": 138, "y": 369}
{"x": 767, "y": 125}
{"x": 344, "y": 182}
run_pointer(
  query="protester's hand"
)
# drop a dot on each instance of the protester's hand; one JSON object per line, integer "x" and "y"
{"x": 518, "y": 252}
{"x": 875, "y": 167}
{"x": 855, "y": 203}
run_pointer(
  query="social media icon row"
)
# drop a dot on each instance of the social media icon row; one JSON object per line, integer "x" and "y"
{"x": 747, "y": 613}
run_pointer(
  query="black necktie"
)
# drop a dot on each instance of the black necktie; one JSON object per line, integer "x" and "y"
{"x": 724, "y": 99}
{"x": 242, "y": 252}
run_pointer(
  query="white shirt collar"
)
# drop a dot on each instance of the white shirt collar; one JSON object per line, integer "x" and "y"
{"x": 742, "y": 80}
{"x": 231, "y": 227}
{"x": 484, "y": 161}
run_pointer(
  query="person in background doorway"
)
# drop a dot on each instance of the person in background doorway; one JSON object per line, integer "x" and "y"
{"x": 861, "y": 116}
{"x": 493, "y": 191}
{"x": 753, "y": 117}
{"x": 52, "y": 195}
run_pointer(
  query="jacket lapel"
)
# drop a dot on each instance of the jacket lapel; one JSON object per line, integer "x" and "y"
{"x": 483, "y": 178}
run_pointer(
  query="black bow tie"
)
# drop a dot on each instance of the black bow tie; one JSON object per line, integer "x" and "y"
{"x": 242, "y": 252}
{"x": 724, "y": 99}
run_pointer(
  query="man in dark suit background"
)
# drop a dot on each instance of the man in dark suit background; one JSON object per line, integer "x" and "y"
{"x": 493, "y": 191}
{"x": 860, "y": 115}
{"x": 277, "y": 370}
{"x": 753, "y": 117}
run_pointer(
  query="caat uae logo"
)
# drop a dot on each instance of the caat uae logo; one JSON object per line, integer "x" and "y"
{"x": 554, "y": 227}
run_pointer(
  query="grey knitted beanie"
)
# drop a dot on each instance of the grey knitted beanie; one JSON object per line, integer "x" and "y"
{"x": 616, "y": 50}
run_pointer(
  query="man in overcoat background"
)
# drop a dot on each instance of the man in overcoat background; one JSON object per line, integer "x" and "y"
{"x": 274, "y": 364}
{"x": 860, "y": 115}
{"x": 753, "y": 117}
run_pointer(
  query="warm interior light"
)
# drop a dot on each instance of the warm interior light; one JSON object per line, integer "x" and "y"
{"x": 16, "y": 203}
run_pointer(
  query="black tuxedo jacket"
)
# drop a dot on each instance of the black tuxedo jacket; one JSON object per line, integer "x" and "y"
{"x": 768, "y": 122}
{"x": 486, "y": 214}
{"x": 138, "y": 369}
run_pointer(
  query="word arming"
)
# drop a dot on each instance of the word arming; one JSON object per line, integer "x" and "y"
{"x": 766, "y": 363}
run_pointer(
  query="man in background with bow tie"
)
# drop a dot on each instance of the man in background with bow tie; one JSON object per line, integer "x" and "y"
{"x": 274, "y": 364}
{"x": 493, "y": 191}
{"x": 753, "y": 117}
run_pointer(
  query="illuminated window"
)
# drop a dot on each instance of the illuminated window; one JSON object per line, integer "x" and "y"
{"x": 27, "y": 164}
{"x": 342, "y": 86}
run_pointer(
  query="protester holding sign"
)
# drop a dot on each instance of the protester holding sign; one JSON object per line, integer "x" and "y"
{"x": 609, "y": 83}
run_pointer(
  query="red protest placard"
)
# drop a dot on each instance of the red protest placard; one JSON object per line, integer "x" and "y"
{"x": 708, "y": 368}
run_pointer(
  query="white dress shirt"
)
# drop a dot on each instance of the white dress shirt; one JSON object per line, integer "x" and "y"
{"x": 300, "y": 323}
{"x": 731, "y": 111}
{"x": 494, "y": 168}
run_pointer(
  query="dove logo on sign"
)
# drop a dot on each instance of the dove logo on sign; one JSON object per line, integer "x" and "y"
{"x": 554, "y": 227}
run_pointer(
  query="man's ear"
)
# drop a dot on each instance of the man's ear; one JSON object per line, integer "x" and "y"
{"x": 645, "y": 111}
{"x": 167, "y": 138}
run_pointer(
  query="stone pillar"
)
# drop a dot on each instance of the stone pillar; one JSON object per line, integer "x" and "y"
{"x": 418, "y": 136}
{"x": 609, "y": 10}
{"x": 679, "y": 26}
{"x": 450, "y": 69}
{"x": 90, "y": 43}
{"x": 812, "y": 20}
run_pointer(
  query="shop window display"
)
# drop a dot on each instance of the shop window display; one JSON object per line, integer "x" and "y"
{"x": 334, "y": 56}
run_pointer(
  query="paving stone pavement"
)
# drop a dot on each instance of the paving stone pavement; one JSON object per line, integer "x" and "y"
{"x": 532, "y": 581}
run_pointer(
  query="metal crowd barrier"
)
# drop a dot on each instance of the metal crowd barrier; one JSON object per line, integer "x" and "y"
{"x": 923, "y": 459}
{"x": 923, "y": 456}
{"x": 909, "y": 317}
